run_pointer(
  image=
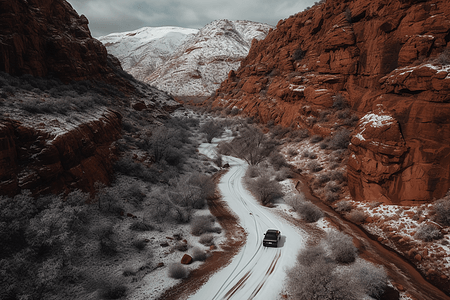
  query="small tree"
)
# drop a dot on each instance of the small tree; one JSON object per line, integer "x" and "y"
{"x": 251, "y": 145}
{"x": 211, "y": 129}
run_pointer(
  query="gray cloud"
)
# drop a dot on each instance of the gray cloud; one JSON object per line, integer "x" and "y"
{"x": 107, "y": 16}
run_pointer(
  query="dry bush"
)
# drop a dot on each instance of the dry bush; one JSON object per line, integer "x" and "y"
{"x": 333, "y": 187}
{"x": 292, "y": 152}
{"x": 339, "y": 102}
{"x": 140, "y": 226}
{"x": 140, "y": 244}
{"x": 372, "y": 279}
{"x": 320, "y": 281}
{"x": 177, "y": 271}
{"x": 199, "y": 254}
{"x": 428, "y": 233}
{"x": 265, "y": 189}
{"x": 357, "y": 216}
{"x": 314, "y": 166}
{"x": 309, "y": 212}
{"x": 203, "y": 224}
{"x": 340, "y": 139}
{"x": 444, "y": 58}
{"x": 442, "y": 211}
{"x": 322, "y": 179}
{"x": 316, "y": 138}
{"x": 344, "y": 205}
{"x": 331, "y": 197}
{"x": 277, "y": 160}
{"x": 342, "y": 248}
{"x": 206, "y": 239}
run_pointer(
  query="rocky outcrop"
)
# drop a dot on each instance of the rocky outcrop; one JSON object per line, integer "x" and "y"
{"x": 388, "y": 59}
{"x": 47, "y": 158}
{"x": 48, "y": 38}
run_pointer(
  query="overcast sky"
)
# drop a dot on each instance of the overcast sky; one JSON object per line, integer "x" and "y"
{"x": 107, "y": 16}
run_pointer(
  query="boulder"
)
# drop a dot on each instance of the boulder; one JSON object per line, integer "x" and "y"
{"x": 186, "y": 259}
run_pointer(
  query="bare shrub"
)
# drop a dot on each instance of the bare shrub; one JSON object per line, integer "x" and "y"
{"x": 206, "y": 239}
{"x": 252, "y": 145}
{"x": 277, "y": 160}
{"x": 203, "y": 224}
{"x": 177, "y": 271}
{"x": 339, "y": 102}
{"x": 342, "y": 248}
{"x": 340, "y": 139}
{"x": 372, "y": 279}
{"x": 320, "y": 281}
{"x": 442, "y": 211}
{"x": 199, "y": 254}
{"x": 428, "y": 233}
{"x": 298, "y": 135}
{"x": 140, "y": 244}
{"x": 344, "y": 206}
{"x": 331, "y": 197}
{"x": 292, "y": 152}
{"x": 314, "y": 166}
{"x": 306, "y": 154}
{"x": 129, "y": 271}
{"x": 265, "y": 189}
{"x": 309, "y": 212}
{"x": 114, "y": 291}
{"x": 253, "y": 172}
{"x": 338, "y": 176}
{"x": 218, "y": 160}
{"x": 211, "y": 129}
{"x": 316, "y": 138}
{"x": 357, "y": 216}
{"x": 444, "y": 58}
{"x": 333, "y": 187}
{"x": 322, "y": 179}
{"x": 311, "y": 255}
{"x": 140, "y": 226}
{"x": 299, "y": 54}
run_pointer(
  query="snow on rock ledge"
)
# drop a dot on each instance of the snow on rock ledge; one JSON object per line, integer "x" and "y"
{"x": 377, "y": 147}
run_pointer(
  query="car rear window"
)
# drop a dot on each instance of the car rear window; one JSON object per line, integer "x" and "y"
{"x": 271, "y": 235}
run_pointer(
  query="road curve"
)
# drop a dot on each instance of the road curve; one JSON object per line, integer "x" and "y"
{"x": 256, "y": 272}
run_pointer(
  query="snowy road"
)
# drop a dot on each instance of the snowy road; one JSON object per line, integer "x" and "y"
{"x": 256, "y": 272}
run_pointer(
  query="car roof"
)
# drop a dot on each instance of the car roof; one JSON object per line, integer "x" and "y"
{"x": 273, "y": 231}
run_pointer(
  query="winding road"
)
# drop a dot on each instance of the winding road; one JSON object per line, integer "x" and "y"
{"x": 256, "y": 272}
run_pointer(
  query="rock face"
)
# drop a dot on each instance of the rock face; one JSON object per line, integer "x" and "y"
{"x": 48, "y": 38}
{"x": 186, "y": 62}
{"x": 389, "y": 60}
{"x": 44, "y": 159}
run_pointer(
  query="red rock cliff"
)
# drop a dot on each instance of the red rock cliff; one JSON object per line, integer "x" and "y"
{"x": 56, "y": 157}
{"x": 388, "y": 59}
{"x": 48, "y": 37}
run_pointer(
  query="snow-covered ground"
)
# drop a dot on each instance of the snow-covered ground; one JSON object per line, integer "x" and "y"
{"x": 256, "y": 272}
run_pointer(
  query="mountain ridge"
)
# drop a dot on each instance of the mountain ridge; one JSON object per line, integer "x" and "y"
{"x": 201, "y": 61}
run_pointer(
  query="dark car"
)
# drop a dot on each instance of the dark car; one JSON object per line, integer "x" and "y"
{"x": 271, "y": 238}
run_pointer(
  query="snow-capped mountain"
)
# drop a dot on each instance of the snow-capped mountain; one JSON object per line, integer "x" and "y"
{"x": 196, "y": 61}
{"x": 142, "y": 51}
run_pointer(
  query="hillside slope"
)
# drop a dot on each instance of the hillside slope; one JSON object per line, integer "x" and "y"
{"x": 389, "y": 60}
{"x": 63, "y": 100}
{"x": 188, "y": 62}
{"x": 142, "y": 51}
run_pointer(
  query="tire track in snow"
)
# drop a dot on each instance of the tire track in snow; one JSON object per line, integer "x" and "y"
{"x": 255, "y": 272}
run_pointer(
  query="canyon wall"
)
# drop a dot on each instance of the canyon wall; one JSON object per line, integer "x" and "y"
{"x": 390, "y": 60}
{"x": 58, "y": 160}
{"x": 48, "y": 38}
